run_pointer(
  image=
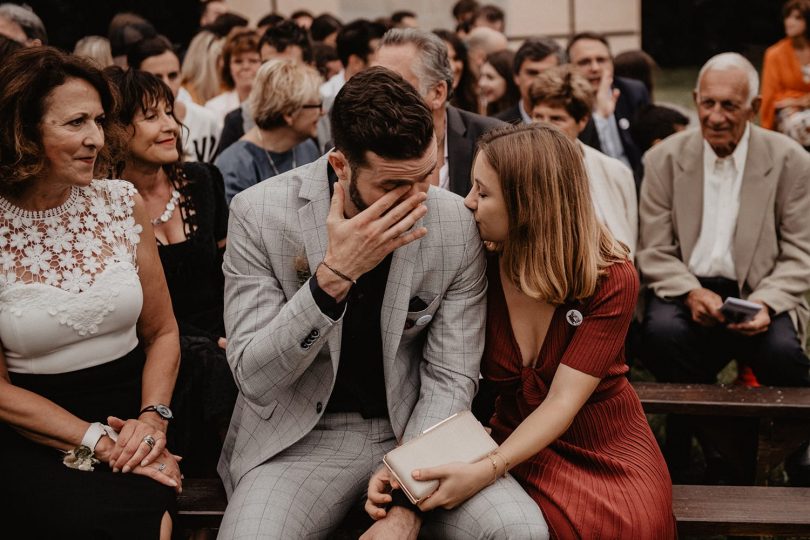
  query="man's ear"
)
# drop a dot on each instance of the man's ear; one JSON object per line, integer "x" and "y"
{"x": 437, "y": 96}
{"x": 755, "y": 104}
{"x": 340, "y": 164}
{"x": 583, "y": 122}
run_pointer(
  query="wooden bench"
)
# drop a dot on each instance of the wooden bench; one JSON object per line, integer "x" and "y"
{"x": 782, "y": 415}
{"x": 699, "y": 510}
{"x": 741, "y": 510}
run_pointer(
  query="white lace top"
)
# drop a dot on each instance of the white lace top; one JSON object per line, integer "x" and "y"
{"x": 70, "y": 296}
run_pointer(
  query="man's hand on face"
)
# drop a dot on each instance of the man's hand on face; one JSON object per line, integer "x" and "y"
{"x": 705, "y": 307}
{"x": 606, "y": 96}
{"x": 358, "y": 244}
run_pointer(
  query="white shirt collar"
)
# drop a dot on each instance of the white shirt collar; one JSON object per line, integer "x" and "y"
{"x": 523, "y": 114}
{"x": 737, "y": 157}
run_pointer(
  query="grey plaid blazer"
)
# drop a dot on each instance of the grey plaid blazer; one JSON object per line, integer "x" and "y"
{"x": 284, "y": 352}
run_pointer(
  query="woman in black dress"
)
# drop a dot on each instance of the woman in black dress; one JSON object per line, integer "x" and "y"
{"x": 186, "y": 205}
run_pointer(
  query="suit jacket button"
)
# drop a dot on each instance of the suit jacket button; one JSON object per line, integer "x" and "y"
{"x": 305, "y": 345}
{"x": 319, "y": 407}
{"x": 315, "y": 333}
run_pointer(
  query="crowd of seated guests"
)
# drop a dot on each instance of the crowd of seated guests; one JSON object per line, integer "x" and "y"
{"x": 706, "y": 212}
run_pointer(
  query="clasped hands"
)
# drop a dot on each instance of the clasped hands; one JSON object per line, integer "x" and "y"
{"x": 132, "y": 454}
{"x": 705, "y": 307}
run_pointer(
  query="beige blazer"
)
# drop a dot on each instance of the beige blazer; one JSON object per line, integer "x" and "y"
{"x": 772, "y": 240}
{"x": 614, "y": 192}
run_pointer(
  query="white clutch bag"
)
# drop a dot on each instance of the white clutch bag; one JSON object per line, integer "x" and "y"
{"x": 460, "y": 438}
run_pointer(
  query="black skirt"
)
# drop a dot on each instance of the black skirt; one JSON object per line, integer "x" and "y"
{"x": 41, "y": 498}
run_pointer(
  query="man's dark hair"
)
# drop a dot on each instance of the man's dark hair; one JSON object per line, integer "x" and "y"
{"x": 323, "y": 26}
{"x": 322, "y": 54}
{"x": 636, "y": 65}
{"x": 596, "y": 36}
{"x": 270, "y": 20}
{"x": 125, "y": 30}
{"x": 286, "y": 34}
{"x": 490, "y": 13}
{"x": 465, "y": 9}
{"x": 379, "y": 111}
{"x": 654, "y": 122}
{"x": 147, "y": 48}
{"x": 536, "y": 49}
{"x": 355, "y": 38}
{"x": 226, "y": 22}
{"x": 397, "y": 16}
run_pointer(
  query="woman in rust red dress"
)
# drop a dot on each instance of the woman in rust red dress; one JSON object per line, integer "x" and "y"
{"x": 561, "y": 295}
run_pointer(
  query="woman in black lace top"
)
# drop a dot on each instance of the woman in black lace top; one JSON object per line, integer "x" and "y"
{"x": 186, "y": 204}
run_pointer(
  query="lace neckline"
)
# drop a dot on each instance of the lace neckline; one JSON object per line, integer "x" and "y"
{"x": 57, "y": 211}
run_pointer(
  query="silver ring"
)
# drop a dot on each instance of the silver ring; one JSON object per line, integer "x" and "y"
{"x": 161, "y": 467}
{"x": 150, "y": 441}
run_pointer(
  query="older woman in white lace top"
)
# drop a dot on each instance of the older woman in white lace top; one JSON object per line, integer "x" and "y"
{"x": 89, "y": 344}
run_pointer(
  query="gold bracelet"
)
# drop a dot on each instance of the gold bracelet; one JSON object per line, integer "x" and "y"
{"x": 505, "y": 461}
{"x": 494, "y": 467}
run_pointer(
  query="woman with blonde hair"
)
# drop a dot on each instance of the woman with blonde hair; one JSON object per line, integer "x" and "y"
{"x": 286, "y": 106}
{"x": 95, "y": 48}
{"x": 200, "y": 74}
{"x": 561, "y": 295}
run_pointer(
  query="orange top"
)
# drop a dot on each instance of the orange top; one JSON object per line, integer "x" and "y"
{"x": 781, "y": 78}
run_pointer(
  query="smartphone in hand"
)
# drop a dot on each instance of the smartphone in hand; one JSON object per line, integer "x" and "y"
{"x": 736, "y": 310}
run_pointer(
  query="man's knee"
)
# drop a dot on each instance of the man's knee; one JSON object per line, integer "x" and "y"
{"x": 501, "y": 511}
{"x": 781, "y": 359}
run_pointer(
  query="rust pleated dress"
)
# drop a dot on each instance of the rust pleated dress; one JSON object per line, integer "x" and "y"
{"x": 605, "y": 477}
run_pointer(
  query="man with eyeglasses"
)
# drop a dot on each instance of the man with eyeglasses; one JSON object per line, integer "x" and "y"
{"x": 616, "y": 101}
{"x": 725, "y": 212}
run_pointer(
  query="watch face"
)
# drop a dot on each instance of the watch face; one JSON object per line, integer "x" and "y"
{"x": 164, "y": 411}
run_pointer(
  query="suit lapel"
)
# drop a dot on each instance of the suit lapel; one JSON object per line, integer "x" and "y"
{"x": 459, "y": 152}
{"x": 397, "y": 297}
{"x": 754, "y": 195}
{"x": 312, "y": 219}
{"x": 688, "y": 195}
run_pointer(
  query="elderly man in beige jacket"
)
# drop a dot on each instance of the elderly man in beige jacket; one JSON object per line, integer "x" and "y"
{"x": 725, "y": 212}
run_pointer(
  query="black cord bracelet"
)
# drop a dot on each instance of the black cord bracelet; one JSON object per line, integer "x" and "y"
{"x": 338, "y": 273}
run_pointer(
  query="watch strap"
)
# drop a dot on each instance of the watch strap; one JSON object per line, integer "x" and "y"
{"x": 93, "y": 434}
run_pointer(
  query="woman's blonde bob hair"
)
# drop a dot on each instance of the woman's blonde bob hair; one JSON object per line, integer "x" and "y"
{"x": 281, "y": 88}
{"x": 556, "y": 248}
{"x": 200, "y": 72}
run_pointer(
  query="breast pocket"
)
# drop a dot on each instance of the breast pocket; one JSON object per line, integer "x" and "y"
{"x": 418, "y": 321}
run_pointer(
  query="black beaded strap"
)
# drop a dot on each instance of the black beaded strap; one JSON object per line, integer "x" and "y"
{"x": 338, "y": 273}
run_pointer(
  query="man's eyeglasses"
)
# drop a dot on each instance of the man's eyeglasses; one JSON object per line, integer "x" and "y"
{"x": 313, "y": 105}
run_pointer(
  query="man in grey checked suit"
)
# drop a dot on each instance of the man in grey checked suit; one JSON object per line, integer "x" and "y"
{"x": 382, "y": 341}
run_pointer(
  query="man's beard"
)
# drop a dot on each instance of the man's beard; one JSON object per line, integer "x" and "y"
{"x": 356, "y": 198}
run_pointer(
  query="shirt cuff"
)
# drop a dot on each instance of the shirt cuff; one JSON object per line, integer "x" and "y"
{"x": 398, "y": 498}
{"x": 328, "y": 305}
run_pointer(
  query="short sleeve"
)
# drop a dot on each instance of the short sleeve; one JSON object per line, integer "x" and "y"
{"x": 598, "y": 341}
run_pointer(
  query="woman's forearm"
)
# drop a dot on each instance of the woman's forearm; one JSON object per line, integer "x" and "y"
{"x": 39, "y": 419}
{"x": 160, "y": 369}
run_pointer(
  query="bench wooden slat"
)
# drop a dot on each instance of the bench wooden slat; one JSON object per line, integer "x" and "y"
{"x": 724, "y": 400}
{"x": 744, "y": 510}
{"x": 699, "y": 510}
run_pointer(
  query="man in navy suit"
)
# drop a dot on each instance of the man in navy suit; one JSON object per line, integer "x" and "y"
{"x": 616, "y": 102}
{"x": 532, "y": 58}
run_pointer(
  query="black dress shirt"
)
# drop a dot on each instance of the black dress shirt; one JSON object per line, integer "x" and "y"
{"x": 360, "y": 383}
